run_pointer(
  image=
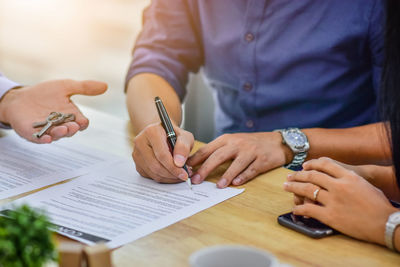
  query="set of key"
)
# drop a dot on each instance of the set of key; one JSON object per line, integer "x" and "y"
{"x": 54, "y": 119}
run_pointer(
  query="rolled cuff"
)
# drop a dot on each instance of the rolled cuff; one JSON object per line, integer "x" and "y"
{"x": 179, "y": 89}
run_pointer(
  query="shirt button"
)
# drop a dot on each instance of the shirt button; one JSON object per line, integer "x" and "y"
{"x": 249, "y": 37}
{"x": 249, "y": 124}
{"x": 247, "y": 87}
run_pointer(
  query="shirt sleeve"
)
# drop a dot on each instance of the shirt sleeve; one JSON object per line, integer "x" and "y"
{"x": 168, "y": 45}
{"x": 5, "y": 85}
{"x": 376, "y": 41}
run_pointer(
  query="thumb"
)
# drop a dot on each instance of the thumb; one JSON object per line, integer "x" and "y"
{"x": 87, "y": 87}
{"x": 183, "y": 146}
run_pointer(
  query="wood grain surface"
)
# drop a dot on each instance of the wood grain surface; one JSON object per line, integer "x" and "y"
{"x": 248, "y": 219}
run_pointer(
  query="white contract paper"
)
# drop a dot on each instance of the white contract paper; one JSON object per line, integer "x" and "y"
{"x": 116, "y": 205}
{"x": 25, "y": 166}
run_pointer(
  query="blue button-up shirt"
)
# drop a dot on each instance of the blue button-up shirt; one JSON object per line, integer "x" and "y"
{"x": 271, "y": 63}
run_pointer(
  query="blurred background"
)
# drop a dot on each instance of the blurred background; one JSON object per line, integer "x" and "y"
{"x": 85, "y": 39}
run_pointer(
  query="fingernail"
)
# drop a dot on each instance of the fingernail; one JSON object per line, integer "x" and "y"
{"x": 196, "y": 179}
{"x": 237, "y": 181}
{"x": 222, "y": 183}
{"x": 182, "y": 176}
{"x": 285, "y": 185}
{"x": 289, "y": 175}
{"x": 190, "y": 170}
{"x": 179, "y": 160}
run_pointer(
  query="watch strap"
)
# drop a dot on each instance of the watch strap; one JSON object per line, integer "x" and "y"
{"x": 297, "y": 161}
{"x": 389, "y": 231}
{"x": 299, "y": 157}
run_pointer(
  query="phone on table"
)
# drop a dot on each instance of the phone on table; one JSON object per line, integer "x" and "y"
{"x": 310, "y": 226}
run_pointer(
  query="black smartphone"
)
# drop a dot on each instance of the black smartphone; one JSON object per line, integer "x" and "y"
{"x": 308, "y": 226}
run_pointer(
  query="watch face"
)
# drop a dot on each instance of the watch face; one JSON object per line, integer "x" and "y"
{"x": 296, "y": 139}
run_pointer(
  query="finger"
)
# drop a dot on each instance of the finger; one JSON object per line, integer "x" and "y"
{"x": 80, "y": 119}
{"x": 152, "y": 169}
{"x": 218, "y": 157}
{"x": 141, "y": 171}
{"x": 204, "y": 152}
{"x": 238, "y": 165}
{"x": 314, "y": 177}
{"x": 157, "y": 140}
{"x": 138, "y": 163}
{"x": 73, "y": 127}
{"x": 183, "y": 146}
{"x": 66, "y": 130}
{"x": 311, "y": 210}
{"x": 298, "y": 200}
{"x": 190, "y": 169}
{"x": 158, "y": 178}
{"x": 58, "y": 132}
{"x": 249, "y": 173}
{"x": 44, "y": 139}
{"x": 88, "y": 87}
{"x": 144, "y": 157}
{"x": 307, "y": 200}
{"x": 307, "y": 190}
{"x": 327, "y": 166}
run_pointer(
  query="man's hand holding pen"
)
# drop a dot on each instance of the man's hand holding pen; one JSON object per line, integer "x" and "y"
{"x": 153, "y": 158}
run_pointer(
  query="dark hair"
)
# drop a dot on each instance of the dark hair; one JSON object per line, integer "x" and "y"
{"x": 390, "y": 90}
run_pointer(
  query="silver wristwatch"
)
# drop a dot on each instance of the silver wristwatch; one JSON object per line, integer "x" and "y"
{"x": 392, "y": 223}
{"x": 297, "y": 141}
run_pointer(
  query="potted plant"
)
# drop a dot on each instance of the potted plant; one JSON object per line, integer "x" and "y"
{"x": 25, "y": 238}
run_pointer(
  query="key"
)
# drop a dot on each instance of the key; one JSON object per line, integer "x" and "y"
{"x": 52, "y": 119}
{"x": 43, "y": 123}
{"x": 68, "y": 117}
{"x": 55, "y": 118}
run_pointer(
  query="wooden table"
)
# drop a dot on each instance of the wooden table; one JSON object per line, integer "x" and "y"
{"x": 247, "y": 219}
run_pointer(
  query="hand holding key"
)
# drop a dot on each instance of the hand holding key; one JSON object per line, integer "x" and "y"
{"x": 54, "y": 119}
{"x": 20, "y": 108}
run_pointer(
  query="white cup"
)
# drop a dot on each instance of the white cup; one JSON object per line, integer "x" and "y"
{"x": 232, "y": 256}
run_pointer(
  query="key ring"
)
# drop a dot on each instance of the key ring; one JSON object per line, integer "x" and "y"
{"x": 55, "y": 118}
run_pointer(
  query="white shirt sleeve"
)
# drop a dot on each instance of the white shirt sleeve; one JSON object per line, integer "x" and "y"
{"x": 5, "y": 85}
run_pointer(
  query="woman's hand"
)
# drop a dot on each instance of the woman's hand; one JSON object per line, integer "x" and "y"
{"x": 346, "y": 201}
{"x": 359, "y": 170}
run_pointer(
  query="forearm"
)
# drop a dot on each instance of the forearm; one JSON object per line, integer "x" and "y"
{"x": 141, "y": 91}
{"x": 358, "y": 145}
